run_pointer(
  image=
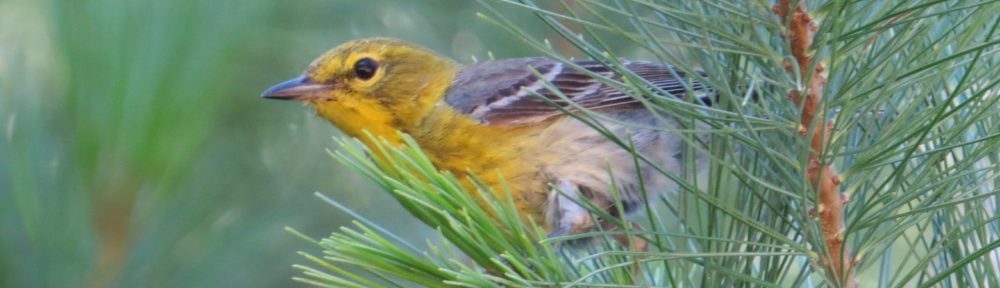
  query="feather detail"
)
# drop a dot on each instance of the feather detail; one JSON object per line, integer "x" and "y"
{"x": 504, "y": 92}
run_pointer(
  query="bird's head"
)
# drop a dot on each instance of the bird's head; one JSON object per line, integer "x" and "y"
{"x": 380, "y": 85}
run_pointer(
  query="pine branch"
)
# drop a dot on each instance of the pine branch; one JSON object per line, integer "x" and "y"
{"x": 838, "y": 264}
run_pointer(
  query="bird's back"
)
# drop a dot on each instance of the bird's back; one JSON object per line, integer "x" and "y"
{"x": 505, "y": 92}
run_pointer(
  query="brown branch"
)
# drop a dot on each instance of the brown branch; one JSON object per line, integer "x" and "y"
{"x": 838, "y": 263}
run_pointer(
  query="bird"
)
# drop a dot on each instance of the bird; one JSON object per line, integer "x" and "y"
{"x": 502, "y": 119}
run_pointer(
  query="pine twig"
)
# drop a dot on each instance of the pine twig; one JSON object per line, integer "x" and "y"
{"x": 838, "y": 263}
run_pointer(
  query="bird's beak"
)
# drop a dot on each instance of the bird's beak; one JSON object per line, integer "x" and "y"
{"x": 297, "y": 88}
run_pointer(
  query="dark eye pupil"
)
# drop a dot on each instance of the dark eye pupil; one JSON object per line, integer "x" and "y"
{"x": 365, "y": 68}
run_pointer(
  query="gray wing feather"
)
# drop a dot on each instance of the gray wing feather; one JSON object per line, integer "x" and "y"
{"x": 503, "y": 92}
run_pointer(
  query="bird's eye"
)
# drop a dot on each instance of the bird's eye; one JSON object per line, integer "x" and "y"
{"x": 365, "y": 68}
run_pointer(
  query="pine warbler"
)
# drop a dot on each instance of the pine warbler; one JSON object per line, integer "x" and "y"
{"x": 485, "y": 118}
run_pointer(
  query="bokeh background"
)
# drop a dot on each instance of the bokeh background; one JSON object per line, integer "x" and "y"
{"x": 135, "y": 151}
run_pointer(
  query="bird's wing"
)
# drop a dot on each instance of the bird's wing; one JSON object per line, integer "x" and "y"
{"x": 502, "y": 92}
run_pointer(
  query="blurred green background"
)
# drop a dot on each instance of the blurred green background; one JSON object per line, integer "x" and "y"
{"x": 136, "y": 152}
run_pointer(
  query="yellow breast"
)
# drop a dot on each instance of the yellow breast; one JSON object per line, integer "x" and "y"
{"x": 510, "y": 154}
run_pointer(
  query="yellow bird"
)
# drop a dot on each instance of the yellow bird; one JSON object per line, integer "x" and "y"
{"x": 486, "y": 118}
